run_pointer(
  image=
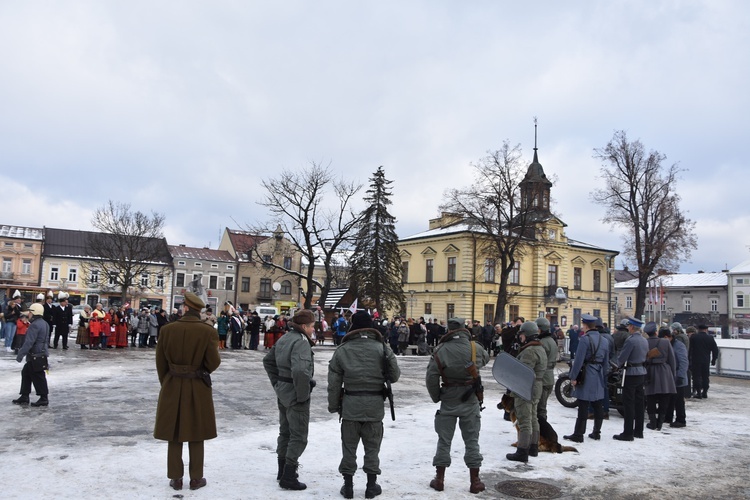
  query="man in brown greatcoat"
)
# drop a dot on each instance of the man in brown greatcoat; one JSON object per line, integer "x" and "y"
{"x": 187, "y": 352}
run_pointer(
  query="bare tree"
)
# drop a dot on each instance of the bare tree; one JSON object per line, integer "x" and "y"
{"x": 504, "y": 221}
{"x": 314, "y": 211}
{"x": 129, "y": 253}
{"x": 639, "y": 195}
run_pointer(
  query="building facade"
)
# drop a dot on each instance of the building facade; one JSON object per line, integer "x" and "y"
{"x": 216, "y": 270}
{"x": 738, "y": 281}
{"x": 262, "y": 265}
{"x": 20, "y": 258}
{"x": 689, "y": 299}
{"x": 69, "y": 264}
{"x": 445, "y": 273}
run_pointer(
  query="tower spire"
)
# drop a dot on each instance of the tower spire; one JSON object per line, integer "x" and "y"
{"x": 536, "y": 160}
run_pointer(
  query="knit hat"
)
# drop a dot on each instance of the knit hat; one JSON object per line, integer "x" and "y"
{"x": 361, "y": 319}
{"x": 303, "y": 317}
{"x": 193, "y": 301}
{"x": 676, "y": 326}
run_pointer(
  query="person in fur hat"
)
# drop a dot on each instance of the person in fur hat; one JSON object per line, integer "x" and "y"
{"x": 355, "y": 391}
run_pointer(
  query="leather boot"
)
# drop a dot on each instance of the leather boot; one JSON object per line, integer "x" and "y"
{"x": 439, "y": 482}
{"x": 282, "y": 461}
{"x": 373, "y": 488}
{"x": 347, "y": 490}
{"x": 289, "y": 480}
{"x": 534, "y": 445}
{"x": 476, "y": 484}
{"x": 23, "y": 400}
{"x": 42, "y": 401}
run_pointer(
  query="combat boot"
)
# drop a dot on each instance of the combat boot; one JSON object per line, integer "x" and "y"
{"x": 439, "y": 482}
{"x": 23, "y": 400}
{"x": 373, "y": 488}
{"x": 289, "y": 480}
{"x": 476, "y": 484}
{"x": 282, "y": 461}
{"x": 534, "y": 446}
{"x": 522, "y": 448}
{"x": 347, "y": 490}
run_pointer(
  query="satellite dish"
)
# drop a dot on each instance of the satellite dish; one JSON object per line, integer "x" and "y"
{"x": 560, "y": 294}
{"x": 276, "y": 286}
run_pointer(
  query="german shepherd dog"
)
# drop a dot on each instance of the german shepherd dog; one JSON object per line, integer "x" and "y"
{"x": 547, "y": 435}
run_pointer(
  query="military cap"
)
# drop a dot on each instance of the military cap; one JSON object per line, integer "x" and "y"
{"x": 635, "y": 322}
{"x": 650, "y": 328}
{"x": 587, "y": 318}
{"x": 456, "y": 323}
{"x": 193, "y": 301}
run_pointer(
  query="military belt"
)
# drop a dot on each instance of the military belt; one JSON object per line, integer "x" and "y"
{"x": 363, "y": 393}
{"x": 634, "y": 365}
{"x": 184, "y": 374}
{"x": 458, "y": 384}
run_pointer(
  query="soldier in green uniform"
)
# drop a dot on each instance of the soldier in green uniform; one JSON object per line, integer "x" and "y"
{"x": 356, "y": 378}
{"x": 289, "y": 365}
{"x": 451, "y": 364}
{"x": 532, "y": 354}
{"x": 550, "y": 348}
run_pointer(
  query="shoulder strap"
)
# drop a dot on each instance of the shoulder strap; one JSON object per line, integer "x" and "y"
{"x": 473, "y": 352}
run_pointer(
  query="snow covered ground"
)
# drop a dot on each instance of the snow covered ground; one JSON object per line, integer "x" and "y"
{"x": 94, "y": 440}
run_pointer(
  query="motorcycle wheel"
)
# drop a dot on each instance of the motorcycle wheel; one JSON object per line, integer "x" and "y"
{"x": 564, "y": 392}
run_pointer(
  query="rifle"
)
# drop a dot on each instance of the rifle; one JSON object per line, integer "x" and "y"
{"x": 476, "y": 386}
{"x": 387, "y": 390}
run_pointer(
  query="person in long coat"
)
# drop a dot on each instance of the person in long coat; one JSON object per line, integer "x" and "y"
{"x": 83, "y": 337}
{"x": 187, "y": 352}
{"x": 676, "y": 408}
{"x": 661, "y": 370}
{"x": 592, "y": 355}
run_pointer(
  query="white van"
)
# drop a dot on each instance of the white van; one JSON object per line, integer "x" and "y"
{"x": 264, "y": 310}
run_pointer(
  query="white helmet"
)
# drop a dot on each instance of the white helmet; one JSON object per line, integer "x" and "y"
{"x": 36, "y": 309}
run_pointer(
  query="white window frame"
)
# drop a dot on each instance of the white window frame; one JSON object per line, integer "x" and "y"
{"x": 26, "y": 266}
{"x": 687, "y": 304}
{"x": 628, "y": 302}
{"x": 714, "y": 307}
{"x": 54, "y": 273}
{"x": 73, "y": 275}
{"x": 144, "y": 279}
{"x": 7, "y": 265}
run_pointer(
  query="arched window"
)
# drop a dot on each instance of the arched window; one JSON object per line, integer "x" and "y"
{"x": 286, "y": 287}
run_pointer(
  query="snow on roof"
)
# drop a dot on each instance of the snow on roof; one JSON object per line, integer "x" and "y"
{"x": 683, "y": 280}
{"x": 439, "y": 231}
{"x": 21, "y": 232}
{"x": 743, "y": 267}
{"x": 185, "y": 252}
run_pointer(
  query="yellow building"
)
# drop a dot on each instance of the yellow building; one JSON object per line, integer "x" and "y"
{"x": 446, "y": 274}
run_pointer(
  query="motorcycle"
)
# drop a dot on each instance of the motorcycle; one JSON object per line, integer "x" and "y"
{"x": 564, "y": 389}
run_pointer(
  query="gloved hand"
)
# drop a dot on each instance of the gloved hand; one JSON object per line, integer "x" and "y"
{"x": 313, "y": 383}
{"x": 713, "y": 363}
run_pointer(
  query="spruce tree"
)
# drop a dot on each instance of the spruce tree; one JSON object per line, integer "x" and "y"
{"x": 375, "y": 264}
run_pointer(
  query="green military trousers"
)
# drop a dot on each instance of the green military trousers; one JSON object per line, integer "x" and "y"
{"x": 541, "y": 408}
{"x": 371, "y": 434}
{"x": 294, "y": 421}
{"x": 526, "y": 411}
{"x": 470, "y": 423}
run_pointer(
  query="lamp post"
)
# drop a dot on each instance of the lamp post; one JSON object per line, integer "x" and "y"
{"x": 610, "y": 272}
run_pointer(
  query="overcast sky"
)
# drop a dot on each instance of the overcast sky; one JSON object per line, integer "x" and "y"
{"x": 182, "y": 107}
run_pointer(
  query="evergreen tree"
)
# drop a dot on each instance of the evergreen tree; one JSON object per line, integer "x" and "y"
{"x": 375, "y": 264}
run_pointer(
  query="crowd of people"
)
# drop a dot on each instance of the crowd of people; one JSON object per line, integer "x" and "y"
{"x": 660, "y": 366}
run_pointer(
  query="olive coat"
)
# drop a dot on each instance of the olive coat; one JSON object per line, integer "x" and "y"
{"x": 186, "y": 409}
{"x": 357, "y": 366}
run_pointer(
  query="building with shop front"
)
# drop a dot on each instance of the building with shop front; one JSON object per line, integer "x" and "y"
{"x": 445, "y": 274}
{"x": 216, "y": 270}
{"x": 690, "y": 299}
{"x": 262, "y": 265}
{"x": 20, "y": 257}
{"x": 69, "y": 264}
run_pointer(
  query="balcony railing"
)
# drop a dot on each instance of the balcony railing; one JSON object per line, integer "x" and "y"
{"x": 6, "y": 275}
